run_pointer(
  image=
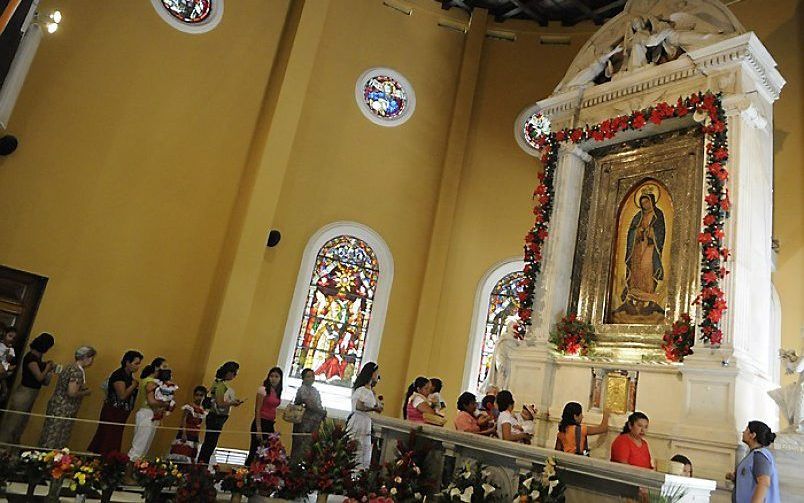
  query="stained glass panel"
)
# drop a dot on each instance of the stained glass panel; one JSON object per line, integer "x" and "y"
{"x": 189, "y": 11}
{"x": 503, "y": 302}
{"x": 337, "y": 312}
{"x": 385, "y": 96}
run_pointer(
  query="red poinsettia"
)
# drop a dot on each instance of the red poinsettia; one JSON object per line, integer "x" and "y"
{"x": 678, "y": 341}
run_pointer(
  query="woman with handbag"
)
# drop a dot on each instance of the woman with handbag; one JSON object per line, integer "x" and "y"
{"x": 364, "y": 401}
{"x": 572, "y": 434}
{"x": 416, "y": 405}
{"x": 314, "y": 412}
{"x": 222, "y": 399}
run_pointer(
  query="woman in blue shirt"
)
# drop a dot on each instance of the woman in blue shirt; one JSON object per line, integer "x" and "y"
{"x": 756, "y": 480}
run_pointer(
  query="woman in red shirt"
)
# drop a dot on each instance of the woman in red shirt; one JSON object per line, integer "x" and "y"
{"x": 269, "y": 396}
{"x": 630, "y": 447}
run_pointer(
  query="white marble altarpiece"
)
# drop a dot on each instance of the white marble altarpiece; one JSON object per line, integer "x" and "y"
{"x": 654, "y": 51}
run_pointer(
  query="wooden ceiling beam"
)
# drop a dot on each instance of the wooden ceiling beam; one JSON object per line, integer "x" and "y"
{"x": 601, "y": 11}
{"x": 588, "y": 12}
{"x": 532, "y": 10}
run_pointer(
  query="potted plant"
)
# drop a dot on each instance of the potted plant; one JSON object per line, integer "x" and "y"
{"x": 240, "y": 482}
{"x": 156, "y": 476}
{"x": 84, "y": 480}
{"x": 572, "y": 336}
{"x": 543, "y": 486}
{"x": 111, "y": 472}
{"x": 197, "y": 485}
{"x": 35, "y": 469}
{"x": 471, "y": 484}
{"x": 331, "y": 460}
{"x": 678, "y": 341}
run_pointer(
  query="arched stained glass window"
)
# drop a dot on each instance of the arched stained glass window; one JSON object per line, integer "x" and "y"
{"x": 337, "y": 312}
{"x": 502, "y": 303}
{"x": 188, "y": 11}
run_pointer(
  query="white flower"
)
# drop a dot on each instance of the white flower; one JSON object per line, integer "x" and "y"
{"x": 454, "y": 492}
{"x": 467, "y": 474}
{"x": 398, "y": 480}
{"x": 467, "y": 494}
{"x": 417, "y": 496}
{"x": 488, "y": 489}
{"x": 527, "y": 482}
{"x": 535, "y": 495}
{"x": 416, "y": 470}
{"x": 393, "y": 491}
{"x": 553, "y": 484}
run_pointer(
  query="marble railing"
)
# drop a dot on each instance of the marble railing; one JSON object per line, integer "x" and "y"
{"x": 587, "y": 479}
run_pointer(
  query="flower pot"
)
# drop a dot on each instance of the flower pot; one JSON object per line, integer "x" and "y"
{"x": 106, "y": 494}
{"x": 54, "y": 490}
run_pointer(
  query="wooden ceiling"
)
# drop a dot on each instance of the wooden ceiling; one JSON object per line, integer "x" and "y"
{"x": 567, "y": 12}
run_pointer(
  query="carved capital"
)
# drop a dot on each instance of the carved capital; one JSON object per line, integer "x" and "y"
{"x": 741, "y": 104}
{"x": 571, "y": 149}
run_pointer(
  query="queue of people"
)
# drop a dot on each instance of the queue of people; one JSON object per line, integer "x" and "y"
{"x": 151, "y": 398}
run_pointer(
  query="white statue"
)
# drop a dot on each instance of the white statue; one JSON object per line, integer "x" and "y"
{"x": 647, "y": 30}
{"x": 790, "y": 398}
{"x": 500, "y": 369}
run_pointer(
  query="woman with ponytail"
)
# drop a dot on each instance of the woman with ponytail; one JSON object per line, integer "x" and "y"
{"x": 630, "y": 447}
{"x": 756, "y": 480}
{"x": 572, "y": 434}
{"x": 416, "y": 404}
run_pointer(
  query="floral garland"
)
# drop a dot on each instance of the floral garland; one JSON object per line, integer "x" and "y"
{"x": 707, "y": 108}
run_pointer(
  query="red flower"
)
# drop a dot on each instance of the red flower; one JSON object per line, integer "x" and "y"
{"x": 725, "y": 204}
{"x": 656, "y": 116}
{"x": 542, "y": 233}
{"x": 725, "y": 252}
{"x": 638, "y": 121}
{"x": 695, "y": 99}
{"x": 722, "y": 175}
{"x": 575, "y": 135}
{"x": 720, "y": 154}
{"x": 711, "y": 253}
{"x": 561, "y": 135}
{"x": 544, "y": 199}
{"x": 712, "y": 199}
{"x": 597, "y": 135}
{"x": 708, "y": 220}
{"x": 704, "y": 238}
{"x": 709, "y": 277}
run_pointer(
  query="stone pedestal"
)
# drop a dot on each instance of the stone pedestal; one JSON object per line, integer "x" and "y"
{"x": 788, "y": 451}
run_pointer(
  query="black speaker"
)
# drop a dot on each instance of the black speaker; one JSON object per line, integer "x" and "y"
{"x": 273, "y": 238}
{"x": 8, "y": 144}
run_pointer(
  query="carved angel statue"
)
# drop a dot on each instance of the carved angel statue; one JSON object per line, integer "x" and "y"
{"x": 500, "y": 369}
{"x": 790, "y": 398}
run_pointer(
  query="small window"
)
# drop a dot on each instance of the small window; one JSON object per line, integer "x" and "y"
{"x": 190, "y": 16}
{"x": 385, "y": 97}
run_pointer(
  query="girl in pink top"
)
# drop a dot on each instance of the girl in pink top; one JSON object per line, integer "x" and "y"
{"x": 416, "y": 404}
{"x": 269, "y": 396}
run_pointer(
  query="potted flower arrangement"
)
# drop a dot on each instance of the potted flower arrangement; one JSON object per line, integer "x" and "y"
{"x": 35, "y": 468}
{"x": 62, "y": 464}
{"x": 197, "y": 485}
{"x": 542, "y": 487}
{"x": 111, "y": 472}
{"x": 404, "y": 479}
{"x": 678, "y": 341}
{"x": 330, "y": 461}
{"x": 85, "y": 479}
{"x": 7, "y": 467}
{"x": 471, "y": 484}
{"x": 572, "y": 336}
{"x": 156, "y": 476}
{"x": 240, "y": 482}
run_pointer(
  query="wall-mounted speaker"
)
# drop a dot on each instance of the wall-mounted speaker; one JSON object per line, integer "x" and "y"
{"x": 273, "y": 238}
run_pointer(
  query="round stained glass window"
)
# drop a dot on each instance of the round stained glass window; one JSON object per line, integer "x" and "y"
{"x": 189, "y": 11}
{"x": 385, "y": 97}
{"x": 530, "y": 124}
{"x": 190, "y": 16}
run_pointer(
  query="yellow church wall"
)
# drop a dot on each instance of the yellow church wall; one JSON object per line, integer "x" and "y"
{"x": 345, "y": 168}
{"x": 132, "y": 139}
{"x": 780, "y": 26}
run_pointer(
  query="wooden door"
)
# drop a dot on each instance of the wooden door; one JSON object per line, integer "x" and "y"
{"x": 20, "y": 293}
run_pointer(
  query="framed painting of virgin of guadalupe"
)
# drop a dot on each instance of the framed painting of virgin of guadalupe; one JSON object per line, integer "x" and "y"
{"x": 636, "y": 257}
{"x": 642, "y": 255}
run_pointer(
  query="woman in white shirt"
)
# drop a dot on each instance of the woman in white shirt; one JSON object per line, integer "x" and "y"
{"x": 363, "y": 402}
{"x": 508, "y": 426}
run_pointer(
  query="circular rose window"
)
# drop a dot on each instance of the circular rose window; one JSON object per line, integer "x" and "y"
{"x": 190, "y": 16}
{"x": 385, "y": 97}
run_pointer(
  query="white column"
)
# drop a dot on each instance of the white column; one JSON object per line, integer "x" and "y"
{"x": 553, "y": 287}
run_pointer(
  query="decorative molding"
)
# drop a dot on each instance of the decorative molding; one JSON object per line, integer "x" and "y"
{"x": 741, "y": 104}
{"x": 573, "y": 149}
{"x": 790, "y": 442}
